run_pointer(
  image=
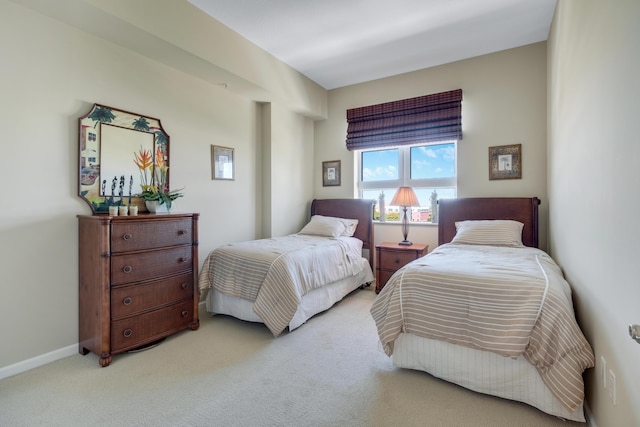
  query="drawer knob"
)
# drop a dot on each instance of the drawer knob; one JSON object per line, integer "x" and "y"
{"x": 127, "y": 236}
{"x": 127, "y": 269}
{"x": 184, "y": 285}
{"x": 184, "y": 313}
{"x": 397, "y": 261}
{"x": 127, "y": 333}
{"x": 181, "y": 232}
{"x": 182, "y": 260}
{"x": 127, "y": 301}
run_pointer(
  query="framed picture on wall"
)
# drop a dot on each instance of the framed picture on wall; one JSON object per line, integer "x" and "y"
{"x": 331, "y": 173}
{"x": 222, "y": 163}
{"x": 505, "y": 162}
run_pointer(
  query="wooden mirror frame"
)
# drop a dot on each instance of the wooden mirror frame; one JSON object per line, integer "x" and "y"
{"x": 100, "y": 191}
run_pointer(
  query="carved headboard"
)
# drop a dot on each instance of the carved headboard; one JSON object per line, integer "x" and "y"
{"x": 359, "y": 209}
{"x": 523, "y": 209}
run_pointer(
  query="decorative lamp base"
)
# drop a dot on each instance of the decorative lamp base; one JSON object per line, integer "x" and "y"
{"x": 405, "y": 243}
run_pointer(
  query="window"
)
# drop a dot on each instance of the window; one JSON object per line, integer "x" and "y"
{"x": 410, "y": 142}
{"x": 430, "y": 169}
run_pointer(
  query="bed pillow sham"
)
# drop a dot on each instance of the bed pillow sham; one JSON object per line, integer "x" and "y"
{"x": 324, "y": 226}
{"x": 350, "y": 226}
{"x": 489, "y": 232}
{"x": 330, "y": 226}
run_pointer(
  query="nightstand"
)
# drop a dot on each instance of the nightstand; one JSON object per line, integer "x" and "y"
{"x": 390, "y": 257}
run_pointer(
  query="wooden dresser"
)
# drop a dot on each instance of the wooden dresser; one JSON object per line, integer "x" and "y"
{"x": 137, "y": 280}
{"x": 392, "y": 256}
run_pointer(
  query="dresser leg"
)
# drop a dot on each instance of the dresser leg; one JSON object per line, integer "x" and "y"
{"x": 105, "y": 360}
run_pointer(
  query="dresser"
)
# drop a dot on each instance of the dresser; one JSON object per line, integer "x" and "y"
{"x": 137, "y": 281}
{"x": 390, "y": 257}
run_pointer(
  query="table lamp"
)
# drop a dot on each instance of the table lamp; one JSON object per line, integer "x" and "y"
{"x": 405, "y": 197}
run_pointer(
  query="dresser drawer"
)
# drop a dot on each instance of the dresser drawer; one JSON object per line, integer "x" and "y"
{"x": 132, "y": 332}
{"x": 129, "y": 268}
{"x": 131, "y": 299}
{"x": 394, "y": 260}
{"x": 138, "y": 235}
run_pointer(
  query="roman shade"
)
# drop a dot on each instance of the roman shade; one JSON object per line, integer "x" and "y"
{"x": 429, "y": 118}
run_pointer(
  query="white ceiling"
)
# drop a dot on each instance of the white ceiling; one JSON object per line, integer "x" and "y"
{"x": 342, "y": 42}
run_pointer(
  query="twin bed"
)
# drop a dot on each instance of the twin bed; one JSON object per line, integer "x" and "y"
{"x": 486, "y": 309}
{"x": 284, "y": 281}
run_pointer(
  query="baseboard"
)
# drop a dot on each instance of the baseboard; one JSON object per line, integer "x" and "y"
{"x": 43, "y": 359}
{"x": 34, "y": 362}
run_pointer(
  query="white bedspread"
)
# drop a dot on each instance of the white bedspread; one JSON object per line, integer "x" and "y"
{"x": 275, "y": 273}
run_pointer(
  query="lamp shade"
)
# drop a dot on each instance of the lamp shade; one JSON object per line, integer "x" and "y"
{"x": 405, "y": 196}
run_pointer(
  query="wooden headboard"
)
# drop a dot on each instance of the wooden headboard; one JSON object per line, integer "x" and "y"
{"x": 523, "y": 209}
{"x": 359, "y": 209}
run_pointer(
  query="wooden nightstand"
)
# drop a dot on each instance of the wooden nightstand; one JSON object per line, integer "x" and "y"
{"x": 390, "y": 257}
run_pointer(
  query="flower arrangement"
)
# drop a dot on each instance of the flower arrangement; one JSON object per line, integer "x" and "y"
{"x": 153, "y": 177}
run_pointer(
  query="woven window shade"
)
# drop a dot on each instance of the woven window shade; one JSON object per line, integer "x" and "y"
{"x": 430, "y": 118}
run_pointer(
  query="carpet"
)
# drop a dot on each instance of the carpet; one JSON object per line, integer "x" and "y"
{"x": 329, "y": 372}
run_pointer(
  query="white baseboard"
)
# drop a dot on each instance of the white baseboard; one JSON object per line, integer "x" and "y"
{"x": 43, "y": 359}
{"x": 34, "y": 362}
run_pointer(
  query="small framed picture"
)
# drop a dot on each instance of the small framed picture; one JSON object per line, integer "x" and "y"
{"x": 331, "y": 173}
{"x": 505, "y": 162}
{"x": 222, "y": 163}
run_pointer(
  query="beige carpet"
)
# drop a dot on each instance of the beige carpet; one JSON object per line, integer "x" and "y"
{"x": 329, "y": 372}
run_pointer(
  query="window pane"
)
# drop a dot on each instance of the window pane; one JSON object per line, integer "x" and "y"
{"x": 433, "y": 161}
{"x": 375, "y": 195}
{"x": 422, "y": 213}
{"x": 427, "y": 198}
{"x": 379, "y": 165}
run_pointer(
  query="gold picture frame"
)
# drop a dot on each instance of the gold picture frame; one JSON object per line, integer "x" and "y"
{"x": 331, "y": 173}
{"x": 505, "y": 162}
{"x": 222, "y": 163}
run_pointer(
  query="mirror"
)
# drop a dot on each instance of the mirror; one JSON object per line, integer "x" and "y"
{"x": 110, "y": 139}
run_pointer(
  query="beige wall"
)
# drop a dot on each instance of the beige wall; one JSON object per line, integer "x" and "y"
{"x": 593, "y": 186}
{"x": 106, "y": 52}
{"x": 292, "y": 152}
{"x": 504, "y": 102}
{"x": 53, "y": 71}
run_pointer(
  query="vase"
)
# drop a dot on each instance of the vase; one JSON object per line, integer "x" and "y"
{"x": 154, "y": 206}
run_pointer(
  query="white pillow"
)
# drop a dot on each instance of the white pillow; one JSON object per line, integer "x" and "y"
{"x": 489, "y": 232}
{"x": 350, "y": 226}
{"x": 324, "y": 226}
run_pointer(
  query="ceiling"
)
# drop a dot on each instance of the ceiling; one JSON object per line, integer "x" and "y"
{"x": 338, "y": 43}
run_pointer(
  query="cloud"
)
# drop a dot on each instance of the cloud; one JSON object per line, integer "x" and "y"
{"x": 380, "y": 173}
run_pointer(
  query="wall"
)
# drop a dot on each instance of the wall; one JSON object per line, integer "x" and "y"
{"x": 504, "y": 102}
{"x": 53, "y": 71}
{"x": 593, "y": 186}
{"x": 292, "y": 150}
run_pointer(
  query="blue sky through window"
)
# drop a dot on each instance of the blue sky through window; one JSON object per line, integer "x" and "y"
{"x": 430, "y": 161}
{"x": 380, "y": 165}
{"x": 433, "y": 161}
